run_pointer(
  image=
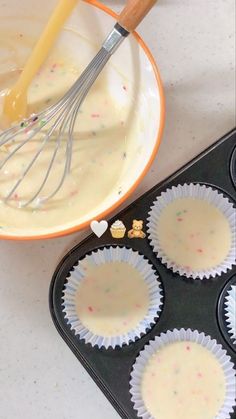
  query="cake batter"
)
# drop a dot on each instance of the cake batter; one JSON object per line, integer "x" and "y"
{"x": 99, "y": 153}
{"x": 194, "y": 234}
{"x": 112, "y": 298}
{"x": 183, "y": 380}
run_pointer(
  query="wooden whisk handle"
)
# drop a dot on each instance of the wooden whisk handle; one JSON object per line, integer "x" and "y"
{"x": 134, "y": 12}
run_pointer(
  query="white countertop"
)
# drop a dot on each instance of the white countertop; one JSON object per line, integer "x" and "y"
{"x": 40, "y": 378}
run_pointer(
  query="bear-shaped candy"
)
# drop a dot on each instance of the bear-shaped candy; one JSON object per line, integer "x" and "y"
{"x": 136, "y": 232}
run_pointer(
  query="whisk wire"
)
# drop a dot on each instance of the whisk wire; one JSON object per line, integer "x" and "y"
{"x": 63, "y": 114}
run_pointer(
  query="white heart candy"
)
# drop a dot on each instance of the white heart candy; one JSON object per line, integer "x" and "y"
{"x": 99, "y": 227}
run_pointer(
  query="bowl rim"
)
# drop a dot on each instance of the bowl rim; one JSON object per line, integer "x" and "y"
{"x": 104, "y": 214}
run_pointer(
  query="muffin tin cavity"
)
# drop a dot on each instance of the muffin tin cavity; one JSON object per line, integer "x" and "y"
{"x": 233, "y": 167}
{"x": 227, "y": 312}
{"x": 182, "y": 366}
{"x": 188, "y": 303}
{"x": 112, "y": 297}
{"x": 192, "y": 229}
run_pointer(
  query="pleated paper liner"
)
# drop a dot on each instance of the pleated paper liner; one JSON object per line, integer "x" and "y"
{"x": 182, "y": 335}
{"x": 94, "y": 260}
{"x": 230, "y": 312}
{"x": 200, "y": 192}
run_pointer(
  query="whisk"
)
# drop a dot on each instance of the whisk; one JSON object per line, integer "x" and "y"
{"x": 57, "y": 121}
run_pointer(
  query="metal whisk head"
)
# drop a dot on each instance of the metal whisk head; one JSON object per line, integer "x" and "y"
{"x": 55, "y": 125}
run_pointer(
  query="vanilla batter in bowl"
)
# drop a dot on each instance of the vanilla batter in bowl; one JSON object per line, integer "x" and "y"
{"x": 100, "y": 148}
{"x": 115, "y": 134}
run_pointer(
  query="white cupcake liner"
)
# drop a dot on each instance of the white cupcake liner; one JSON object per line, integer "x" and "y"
{"x": 230, "y": 312}
{"x": 193, "y": 191}
{"x": 183, "y": 335}
{"x": 98, "y": 257}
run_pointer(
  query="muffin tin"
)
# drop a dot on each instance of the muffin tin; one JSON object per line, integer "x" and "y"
{"x": 188, "y": 303}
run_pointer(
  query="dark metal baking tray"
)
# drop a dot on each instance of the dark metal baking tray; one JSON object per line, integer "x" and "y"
{"x": 188, "y": 303}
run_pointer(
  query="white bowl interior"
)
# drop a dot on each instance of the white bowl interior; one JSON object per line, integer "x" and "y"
{"x": 130, "y": 61}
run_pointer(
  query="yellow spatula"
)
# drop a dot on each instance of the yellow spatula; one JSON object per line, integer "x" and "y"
{"x": 15, "y": 104}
